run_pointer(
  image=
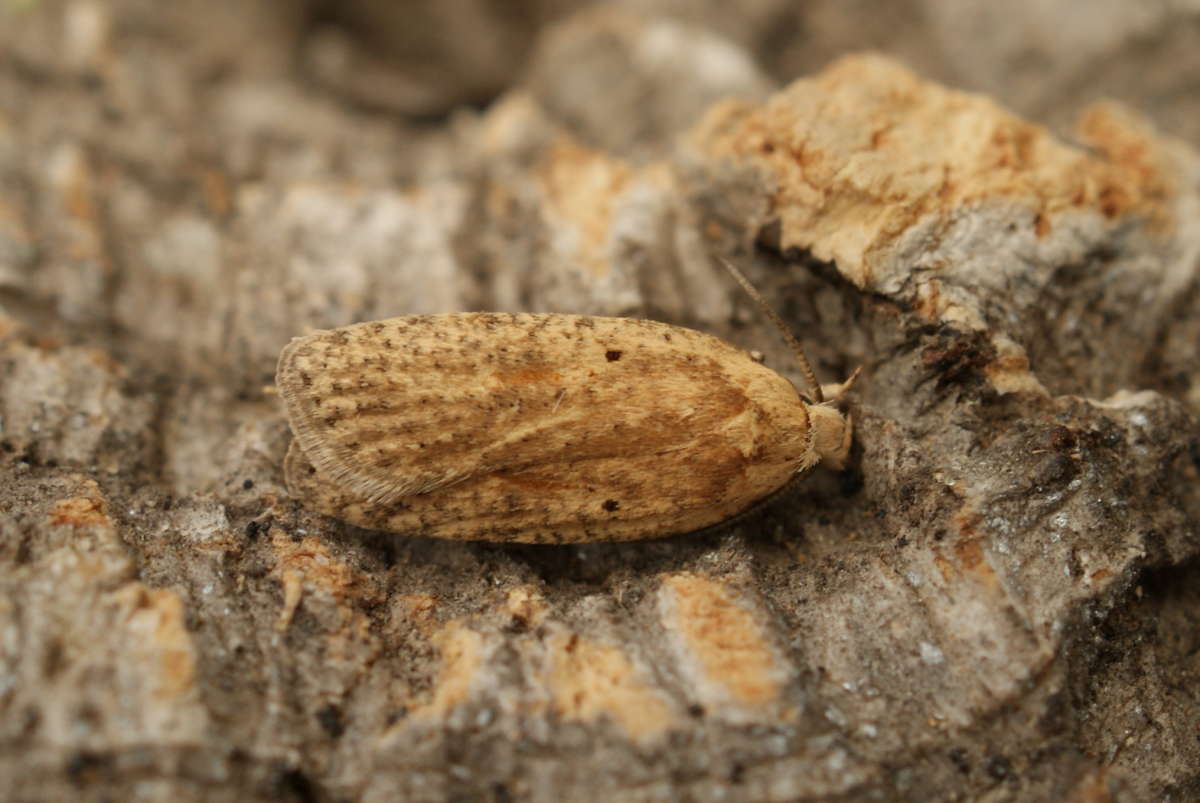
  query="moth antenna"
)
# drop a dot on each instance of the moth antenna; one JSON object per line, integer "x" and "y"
{"x": 805, "y": 365}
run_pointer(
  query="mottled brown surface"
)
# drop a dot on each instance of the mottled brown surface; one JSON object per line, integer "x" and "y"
{"x": 997, "y": 600}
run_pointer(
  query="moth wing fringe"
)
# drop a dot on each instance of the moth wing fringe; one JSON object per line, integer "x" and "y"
{"x": 333, "y": 461}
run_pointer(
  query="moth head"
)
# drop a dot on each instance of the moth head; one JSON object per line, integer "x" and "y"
{"x": 833, "y": 430}
{"x": 832, "y": 434}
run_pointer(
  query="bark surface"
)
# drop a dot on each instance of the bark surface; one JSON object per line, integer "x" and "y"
{"x": 996, "y": 600}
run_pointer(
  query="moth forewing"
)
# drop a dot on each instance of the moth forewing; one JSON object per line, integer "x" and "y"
{"x": 538, "y": 427}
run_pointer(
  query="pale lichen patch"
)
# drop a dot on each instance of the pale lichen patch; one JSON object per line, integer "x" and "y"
{"x": 525, "y": 607}
{"x": 588, "y": 681}
{"x": 724, "y": 650}
{"x": 81, "y": 511}
{"x": 309, "y": 561}
{"x": 580, "y": 187}
{"x": 865, "y": 152}
{"x": 309, "y": 566}
{"x": 158, "y": 638}
{"x": 1009, "y": 371}
{"x": 462, "y": 659}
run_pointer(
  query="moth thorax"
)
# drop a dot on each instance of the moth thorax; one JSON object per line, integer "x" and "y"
{"x": 831, "y": 435}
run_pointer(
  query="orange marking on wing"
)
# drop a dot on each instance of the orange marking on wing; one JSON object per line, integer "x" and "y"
{"x": 528, "y": 376}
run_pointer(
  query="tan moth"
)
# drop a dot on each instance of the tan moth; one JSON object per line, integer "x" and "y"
{"x": 544, "y": 427}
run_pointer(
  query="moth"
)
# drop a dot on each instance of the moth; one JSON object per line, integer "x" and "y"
{"x": 545, "y": 428}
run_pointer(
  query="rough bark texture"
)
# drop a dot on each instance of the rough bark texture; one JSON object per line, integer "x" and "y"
{"x": 998, "y": 600}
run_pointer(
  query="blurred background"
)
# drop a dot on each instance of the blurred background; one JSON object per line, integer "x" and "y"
{"x": 216, "y": 175}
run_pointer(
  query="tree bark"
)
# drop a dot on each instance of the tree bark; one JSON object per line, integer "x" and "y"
{"x": 994, "y": 601}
